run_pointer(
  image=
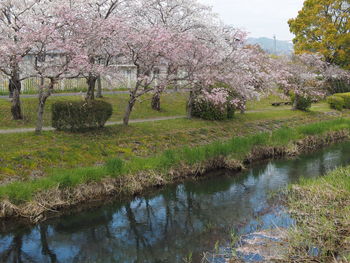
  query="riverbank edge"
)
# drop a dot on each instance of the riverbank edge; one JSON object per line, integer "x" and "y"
{"x": 53, "y": 202}
{"x": 321, "y": 209}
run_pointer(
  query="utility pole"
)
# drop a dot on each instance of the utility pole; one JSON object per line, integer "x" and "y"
{"x": 274, "y": 44}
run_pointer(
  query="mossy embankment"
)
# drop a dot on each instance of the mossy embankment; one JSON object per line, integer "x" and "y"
{"x": 321, "y": 208}
{"x": 66, "y": 188}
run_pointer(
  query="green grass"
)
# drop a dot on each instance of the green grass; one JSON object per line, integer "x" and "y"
{"x": 266, "y": 103}
{"x": 172, "y": 104}
{"x": 28, "y": 155}
{"x": 322, "y": 209}
{"x": 235, "y": 148}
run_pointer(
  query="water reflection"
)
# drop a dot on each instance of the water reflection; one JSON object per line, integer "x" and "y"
{"x": 167, "y": 226}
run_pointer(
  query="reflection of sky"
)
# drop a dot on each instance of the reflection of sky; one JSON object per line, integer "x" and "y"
{"x": 5, "y": 243}
{"x": 180, "y": 219}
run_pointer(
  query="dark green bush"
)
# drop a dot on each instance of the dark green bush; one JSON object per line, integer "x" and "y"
{"x": 336, "y": 102}
{"x": 303, "y": 103}
{"x": 80, "y": 115}
{"x": 338, "y": 86}
{"x": 345, "y": 97}
{"x": 230, "y": 112}
{"x": 208, "y": 111}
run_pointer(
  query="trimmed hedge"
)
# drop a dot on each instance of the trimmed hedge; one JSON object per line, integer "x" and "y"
{"x": 336, "y": 102}
{"x": 346, "y": 98}
{"x": 80, "y": 115}
{"x": 303, "y": 103}
{"x": 208, "y": 111}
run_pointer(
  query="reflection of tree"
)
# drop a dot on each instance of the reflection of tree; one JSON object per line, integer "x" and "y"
{"x": 46, "y": 251}
{"x": 14, "y": 253}
{"x": 140, "y": 240}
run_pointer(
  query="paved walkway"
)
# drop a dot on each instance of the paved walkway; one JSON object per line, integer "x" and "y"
{"x": 25, "y": 130}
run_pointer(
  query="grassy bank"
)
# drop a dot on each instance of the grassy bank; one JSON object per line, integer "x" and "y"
{"x": 322, "y": 210}
{"x": 65, "y": 187}
{"x": 27, "y": 156}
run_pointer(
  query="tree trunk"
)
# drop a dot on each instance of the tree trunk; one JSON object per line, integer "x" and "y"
{"x": 156, "y": 101}
{"x": 99, "y": 88}
{"x": 131, "y": 104}
{"x": 91, "y": 81}
{"x": 295, "y": 103}
{"x": 43, "y": 96}
{"x": 176, "y": 84}
{"x": 128, "y": 111}
{"x": 10, "y": 89}
{"x": 15, "y": 91}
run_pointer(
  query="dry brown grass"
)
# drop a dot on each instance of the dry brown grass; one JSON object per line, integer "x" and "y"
{"x": 321, "y": 208}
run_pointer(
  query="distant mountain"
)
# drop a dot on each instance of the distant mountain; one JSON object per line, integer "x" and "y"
{"x": 267, "y": 44}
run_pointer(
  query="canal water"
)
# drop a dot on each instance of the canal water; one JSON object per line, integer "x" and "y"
{"x": 176, "y": 223}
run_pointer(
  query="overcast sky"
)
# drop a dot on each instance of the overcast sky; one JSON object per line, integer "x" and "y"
{"x": 262, "y": 18}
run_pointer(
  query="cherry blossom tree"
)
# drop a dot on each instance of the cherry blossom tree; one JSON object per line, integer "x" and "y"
{"x": 224, "y": 61}
{"x": 181, "y": 16}
{"x": 16, "y": 17}
{"x": 147, "y": 48}
{"x": 334, "y": 75}
{"x": 99, "y": 31}
{"x": 57, "y": 52}
{"x": 303, "y": 76}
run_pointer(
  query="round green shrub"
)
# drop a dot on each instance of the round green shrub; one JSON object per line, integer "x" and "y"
{"x": 303, "y": 103}
{"x": 208, "y": 111}
{"x": 345, "y": 97}
{"x": 336, "y": 102}
{"x": 230, "y": 112}
{"x": 80, "y": 115}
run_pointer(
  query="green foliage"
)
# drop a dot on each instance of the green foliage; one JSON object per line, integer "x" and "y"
{"x": 338, "y": 86}
{"x": 230, "y": 112}
{"x": 237, "y": 148}
{"x": 207, "y": 111}
{"x": 80, "y": 115}
{"x": 323, "y": 26}
{"x": 345, "y": 97}
{"x": 302, "y": 103}
{"x": 336, "y": 102}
